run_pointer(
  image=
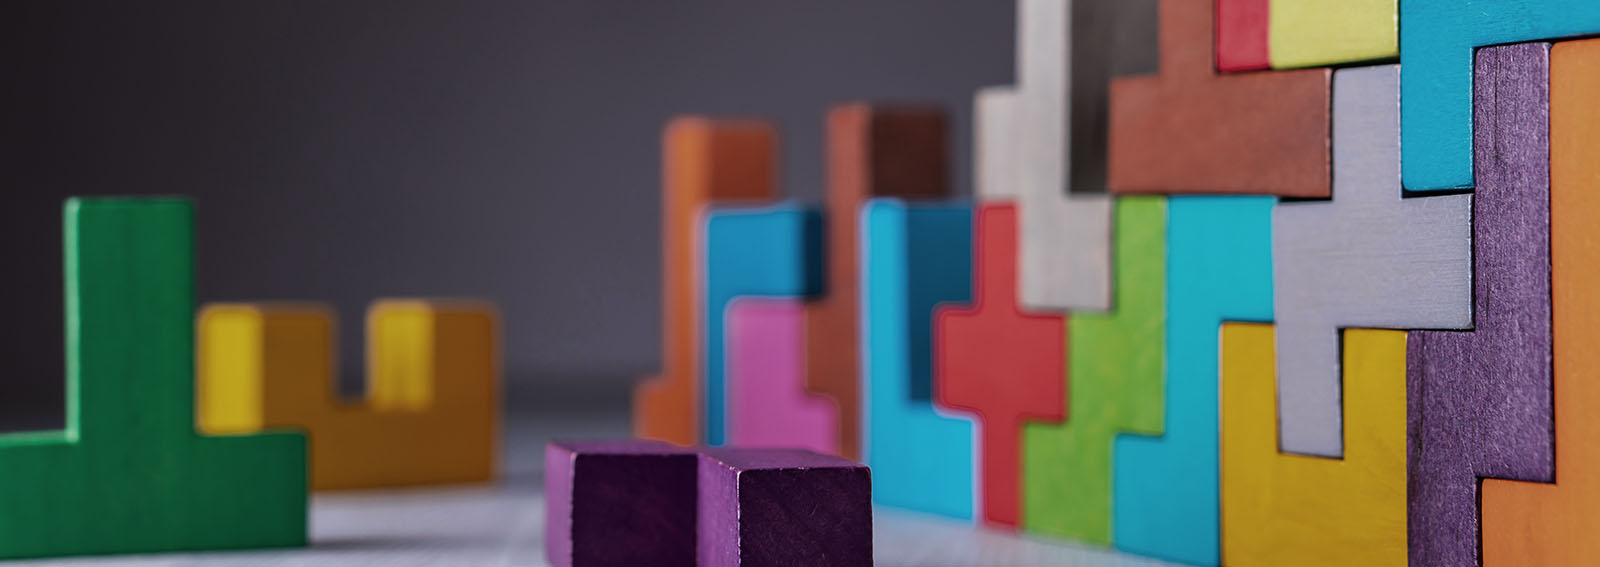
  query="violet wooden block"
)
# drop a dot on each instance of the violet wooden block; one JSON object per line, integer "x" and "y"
{"x": 1480, "y": 401}
{"x": 624, "y": 503}
{"x": 761, "y": 507}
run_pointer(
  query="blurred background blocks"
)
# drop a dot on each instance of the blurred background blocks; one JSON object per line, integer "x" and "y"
{"x": 431, "y": 411}
{"x": 767, "y": 401}
{"x": 129, "y": 474}
{"x": 1242, "y": 31}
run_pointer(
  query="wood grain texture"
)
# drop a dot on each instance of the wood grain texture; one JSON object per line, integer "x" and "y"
{"x": 1554, "y": 524}
{"x": 921, "y": 459}
{"x": 1280, "y": 509}
{"x": 1367, "y": 259}
{"x": 619, "y": 503}
{"x": 773, "y": 251}
{"x": 431, "y": 409}
{"x": 873, "y": 151}
{"x": 129, "y": 474}
{"x": 1242, "y": 31}
{"x": 1001, "y": 365}
{"x": 1219, "y": 268}
{"x": 783, "y": 507}
{"x": 1116, "y": 368}
{"x": 1190, "y": 130}
{"x": 767, "y": 401}
{"x": 703, "y": 161}
{"x": 1314, "y": 33}
{"x": 1480, "y": 401}
{"x": 1065, "y": 53}
{"x": 1440, "y": 38}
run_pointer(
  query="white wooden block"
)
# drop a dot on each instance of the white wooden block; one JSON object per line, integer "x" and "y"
{"x": 1366, "y": 259}
{"x": 994, "y": 160}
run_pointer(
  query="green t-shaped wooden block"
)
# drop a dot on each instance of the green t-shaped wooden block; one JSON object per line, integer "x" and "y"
{"x": 130, "y": 474}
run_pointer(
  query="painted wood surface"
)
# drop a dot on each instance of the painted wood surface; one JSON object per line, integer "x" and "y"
{"x": 767, "y": 399}
{"x": 619, "y": 503}
{"x": 783, "y": 507}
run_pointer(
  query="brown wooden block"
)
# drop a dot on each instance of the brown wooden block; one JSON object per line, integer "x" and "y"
{"x": 1190, "y": 130}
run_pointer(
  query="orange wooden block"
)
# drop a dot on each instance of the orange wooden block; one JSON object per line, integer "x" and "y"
{"x": 1003, "y": 365}
{"x": 1190, "y": 130}
{"x": 703, "y": 161}
{"x": 432, "y": 406}
{"x": 1528, "y": 523}
{"x": 873, "y": 151}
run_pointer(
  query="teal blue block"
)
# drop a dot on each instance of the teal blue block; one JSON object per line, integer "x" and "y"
{"x": 913, "y": 258}
{"x": 1437, "y": 41}
{"x": 771, "y": 251}
{"x": 1165, "y": 495}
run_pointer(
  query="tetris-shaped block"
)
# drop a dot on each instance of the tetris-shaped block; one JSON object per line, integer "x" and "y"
{"x": 1219, "y": 268}
{"x": 703, "y": 161}
{"x": 1285, "y": 34}
{"x": 1190, "y": 130}
{"x": 1001, "y": 365}
{"x": 1116, "y": 369}
{"x": 621, "y": 503}
{"x": 1242, "y": 35}
{"x": 1480, "y": 401}
{"x": 1440, "y": 37}
{"x": 873, "y": 151}
{"x": 768, "y": 251}
{"x": 432, "y": 403}
{"x": 1554, "y": 524}
{"x": 921, "y": 459}
{"x": 129, "y": 474}
{"x": 783, "y": 507}
{"x": 996, "y": 112}
{"x": 1280, "y": 509}
{"x": 767, "y": 398}
{"x": 1368, "y": 258}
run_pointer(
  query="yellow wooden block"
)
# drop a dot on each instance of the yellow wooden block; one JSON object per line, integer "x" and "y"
{"x": 432, "y": 405}
{"x": 1280, "y": 509}
{"x": 1314, "y": 33}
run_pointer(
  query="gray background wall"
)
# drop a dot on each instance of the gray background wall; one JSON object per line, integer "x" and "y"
{"x": 352, "y": 149}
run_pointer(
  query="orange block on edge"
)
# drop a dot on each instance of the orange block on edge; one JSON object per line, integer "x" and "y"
{"x": 431, "y": 412}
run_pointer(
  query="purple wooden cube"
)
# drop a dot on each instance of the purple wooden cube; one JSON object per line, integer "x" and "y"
{"x": 761, "y": 507}
{"x": 626, "y": 503}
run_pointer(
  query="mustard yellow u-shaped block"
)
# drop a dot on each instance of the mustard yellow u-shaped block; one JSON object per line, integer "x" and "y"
{"x": 1280, "y": 509}
{"x": 431, "y": 411}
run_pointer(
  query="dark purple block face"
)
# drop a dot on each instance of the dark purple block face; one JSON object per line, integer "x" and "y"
{"x": 762, "y": 507}
{"x": 1480, "y": 401}
{"x": 623, "y": 503}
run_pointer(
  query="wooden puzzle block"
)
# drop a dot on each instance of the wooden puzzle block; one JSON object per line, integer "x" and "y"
{"x": 1440, "y": 37}
{"x": 767, "y": 397}
{"x": 1116, "y": 369}
{"x": 770, "y": 251}
{"x": 921, "y": 459}
{"x": 1242, "y": 31}
{"x": 1368, "y": 258}
{"x": 873, "y": 151}
{"x": 1528, "y": 523}
{"x": 1190, "y": 130}
{"x": 1003, "y": 366}
{"x": 1065, "y": 57}
{"x": 431, "y": 410}
{"x": 1480, "y": 401}
{"x": 1219, "y": 268}
{"x": 129, "y": 474}
{"x": 1281, "y": 509}
{"x": 1315, "y": 33}
{"x": 783, "y": 507}
{"x": 703, "y": 161}
{"x": 996, "y": 112}
{"x": 621, "y": 503}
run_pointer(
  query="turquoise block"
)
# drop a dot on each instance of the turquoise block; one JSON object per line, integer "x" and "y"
{"x": 769, "y": 251}
{"x": 913, "y": 258}
{"x": 1165, "y": 490}
{"x": 1437, "y": 41}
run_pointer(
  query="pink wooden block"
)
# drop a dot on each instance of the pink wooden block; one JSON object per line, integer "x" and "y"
{"x": 766, "y": 379}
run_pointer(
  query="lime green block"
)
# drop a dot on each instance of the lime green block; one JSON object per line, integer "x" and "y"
{"x": 129, "y": 474}
{"x": 1114, "y": 384}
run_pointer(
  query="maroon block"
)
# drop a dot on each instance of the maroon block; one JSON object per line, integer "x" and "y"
{"x": 783, "y": 507}
{"x": 625, "y": 503}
